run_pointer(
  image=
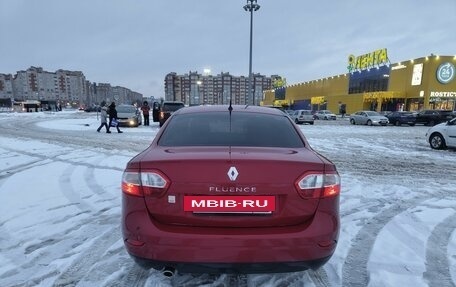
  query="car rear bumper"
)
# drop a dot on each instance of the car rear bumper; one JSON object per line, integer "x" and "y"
{"x": 306, "y": 121}
{"x": 224, "y": 249}
{"x": 239, "y": 268}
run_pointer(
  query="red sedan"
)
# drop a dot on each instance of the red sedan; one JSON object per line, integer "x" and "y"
{"x": 225, "y": 189}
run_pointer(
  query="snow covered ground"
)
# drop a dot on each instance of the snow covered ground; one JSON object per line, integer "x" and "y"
{"x": 60, "y": 207}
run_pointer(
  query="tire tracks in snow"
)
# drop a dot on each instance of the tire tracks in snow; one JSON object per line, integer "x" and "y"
{"x": 42, "y": 255}
{"x": 135, "y": 277}
{"x": 354, "y": 269}
{"x": 38, "y": 253}
{"x": 86, "y": 259}
{"x": 437, "y": 266}
{"x": 73, "y": 197}
{"x": 58, "y": 158}
{"x": 21, "y": 167}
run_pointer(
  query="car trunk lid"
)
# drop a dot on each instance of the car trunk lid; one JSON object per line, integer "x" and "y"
{"x": 241, "y": 173}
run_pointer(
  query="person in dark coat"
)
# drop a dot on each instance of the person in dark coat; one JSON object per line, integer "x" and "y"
{"x": 112, "y": 112}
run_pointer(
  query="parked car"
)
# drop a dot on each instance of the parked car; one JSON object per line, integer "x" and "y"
{"x": 325, "y": 115}
{"x": 368, "y": 118}
{"x": 227, "y": 189}
{"x": 399, "y": 118}
{"x": 303, "y": 116}
{"x": 128, "y": 116}
{"x": 433, "y": 117}
{"x": 167, "y": 109}
{"x": 442, "y": 135}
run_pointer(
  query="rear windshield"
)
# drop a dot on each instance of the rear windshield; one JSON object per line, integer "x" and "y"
{"x": 244, "y": 129}
{"x": 172, "y": 107}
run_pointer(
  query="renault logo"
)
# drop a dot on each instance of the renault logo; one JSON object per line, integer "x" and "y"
{"x": 233, "y": 173}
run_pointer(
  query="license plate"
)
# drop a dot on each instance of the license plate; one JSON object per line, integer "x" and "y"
{"x": 229, "y": 204}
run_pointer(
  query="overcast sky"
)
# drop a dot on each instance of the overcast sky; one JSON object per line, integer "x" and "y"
{"x": 136, "y": 43}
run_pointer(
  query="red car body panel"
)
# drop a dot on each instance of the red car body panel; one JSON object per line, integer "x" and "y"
{"x": 301, "y": 231}
{"x": 312, "y": 240}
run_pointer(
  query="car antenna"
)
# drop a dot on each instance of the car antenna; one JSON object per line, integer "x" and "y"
{"x": 230, "y": 108}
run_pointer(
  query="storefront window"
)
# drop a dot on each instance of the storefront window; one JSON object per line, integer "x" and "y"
{"x": 442, "y": 104}
{"x": 372, "y": 80}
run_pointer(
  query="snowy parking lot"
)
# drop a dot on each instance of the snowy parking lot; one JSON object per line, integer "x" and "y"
{"x": 60, "y": 207}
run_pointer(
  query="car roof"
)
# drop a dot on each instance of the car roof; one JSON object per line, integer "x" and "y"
{"x": 236, "y": 108}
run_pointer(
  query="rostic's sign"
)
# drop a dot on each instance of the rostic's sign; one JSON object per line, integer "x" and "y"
{"x": 367, "y": 61}
{"x": 445, "y": 73}
{"x": 443, "y": 95}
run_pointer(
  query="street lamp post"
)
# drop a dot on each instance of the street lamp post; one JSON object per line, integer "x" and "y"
{"x": 198, "y": 94}
{"x": 251, "y": 6}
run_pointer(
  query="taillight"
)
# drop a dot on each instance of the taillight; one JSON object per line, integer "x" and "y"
{"x": 148, "y": 183}
{"x": 317, "y": 185}
{"x": 131, "y": 183}
{"x": 162, "y": 115}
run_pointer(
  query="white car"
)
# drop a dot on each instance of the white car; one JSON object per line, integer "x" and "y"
{"x": 325, "y": 115}
{"x": 368, "y": 118}
{"x": 442, "y": 135}
{"x": 302, "y": 117}
{"x": 128, "y": 116}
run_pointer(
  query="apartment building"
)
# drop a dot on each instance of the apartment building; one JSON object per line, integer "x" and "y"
{"x": 6, "y": 86}
{"x": 68, "y": 88}
{"x": 194, "y": 88}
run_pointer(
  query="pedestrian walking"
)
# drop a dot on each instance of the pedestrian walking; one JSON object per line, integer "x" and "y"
{"x": 145, "y": 110}
{"x": 103, "y": 118}
{"x": 112, "y": 112}
{"x": 343, "y": 109}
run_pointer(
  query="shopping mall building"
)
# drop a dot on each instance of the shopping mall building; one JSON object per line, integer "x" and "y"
{"x": 373, "y": 83}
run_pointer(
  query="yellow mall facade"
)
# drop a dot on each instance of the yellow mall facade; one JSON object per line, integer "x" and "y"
{"x": 372, "y": 83}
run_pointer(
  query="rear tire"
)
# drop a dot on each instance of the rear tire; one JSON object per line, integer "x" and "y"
{"x": 352, "y": 121}
{"x": 398, "y": 123}
{"x": 436, "y": 141}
